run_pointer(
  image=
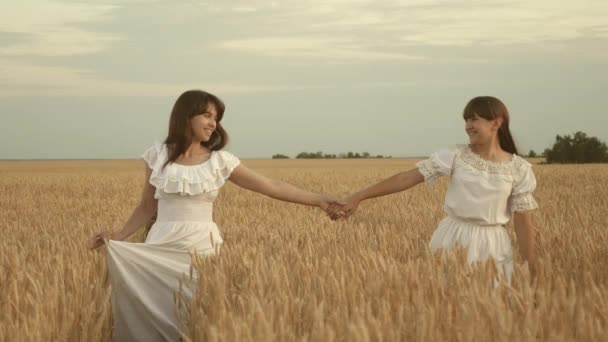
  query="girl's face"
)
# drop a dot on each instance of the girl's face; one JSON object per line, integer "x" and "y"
{"x": 203, "y": 125}
{"x": 480, "y": 130}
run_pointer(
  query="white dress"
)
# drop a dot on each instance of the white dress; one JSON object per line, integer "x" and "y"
{"x": 481, "y": 199}
{"x": 145, "y": 276}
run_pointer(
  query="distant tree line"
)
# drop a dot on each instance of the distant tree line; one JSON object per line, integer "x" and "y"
{"x": 578, "y": 148}
{"x": 321, "y": 155}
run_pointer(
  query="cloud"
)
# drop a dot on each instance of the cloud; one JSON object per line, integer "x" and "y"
{"x": 19, "y": 78}
{"x": 60, "y": 47}
{"x": 329, "y": 49}
{"x": 338, "y": 30}
{"x": 25, "y": 79}
{"x": 244, "y": 9}
{"x": 369, "y": 28}
{"x": 51, "y": 28}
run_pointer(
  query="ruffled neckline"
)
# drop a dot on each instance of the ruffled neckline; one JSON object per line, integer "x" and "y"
{"x": 480, "y": 159}
{"x": 505, "y": 167}
{"x": 207, "y": 176}
{"x": 199, "y": 164}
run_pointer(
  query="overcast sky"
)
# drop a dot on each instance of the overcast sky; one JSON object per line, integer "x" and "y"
{"x": 95, "y": 79}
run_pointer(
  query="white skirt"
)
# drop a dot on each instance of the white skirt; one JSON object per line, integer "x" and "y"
{"x": 145, "y": 278}
{"x": 480, "y": 242}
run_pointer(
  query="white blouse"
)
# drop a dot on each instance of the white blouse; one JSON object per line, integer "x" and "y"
{"x": 188, "y": 180}
{"x": 480, "y": 191}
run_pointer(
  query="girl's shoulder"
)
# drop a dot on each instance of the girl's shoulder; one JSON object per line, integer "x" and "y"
{"x": 513, "y": 167}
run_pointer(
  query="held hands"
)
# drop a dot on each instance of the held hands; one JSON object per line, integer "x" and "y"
{"x": 337, "y": 209}
{"x": 334, "y": 207}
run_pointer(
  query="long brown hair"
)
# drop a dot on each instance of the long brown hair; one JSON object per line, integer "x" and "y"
{"x": 189, "y": 104}
{"x": 491, "y": 108}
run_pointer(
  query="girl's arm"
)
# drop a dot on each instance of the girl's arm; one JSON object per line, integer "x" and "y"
{"x": 140, "y": 216}
{"x": 396, "y": 183}
{"x": 524, "y": 230}
{"x": 250, "y": 180}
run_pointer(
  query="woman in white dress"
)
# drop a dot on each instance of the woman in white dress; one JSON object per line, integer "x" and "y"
{"x": 488, "y": 185}
{"x": 183, "y": 177}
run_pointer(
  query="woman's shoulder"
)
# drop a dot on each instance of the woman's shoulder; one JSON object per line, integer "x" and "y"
{"x": 224, "y": 154}
{"x": 521, "y": 161}
{"x": 448, "y": 152}
{"x": 154, "y": 154}
{"x": 513, "y": 166}
{"x": 207, "y": 176}
{"x": 521, "y": 167}
{"x": 454, "y": 148}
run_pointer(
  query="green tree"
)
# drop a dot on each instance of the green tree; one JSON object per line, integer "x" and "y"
{"x": 280, "y": 156}
{"x": 578, "y": 149}
{"x": 303, "y": 155}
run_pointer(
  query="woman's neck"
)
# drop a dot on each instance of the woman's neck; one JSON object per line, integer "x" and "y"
{"x": 195, "y": 149}
{"x": 490, "y": 151}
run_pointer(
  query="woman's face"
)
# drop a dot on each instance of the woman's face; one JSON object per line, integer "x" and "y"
{"x": 203, "y": 125}
{"x": 480, "y": 130}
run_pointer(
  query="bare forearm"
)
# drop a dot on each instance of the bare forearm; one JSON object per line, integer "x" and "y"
{"x": 525, "y": 241}
{"x": 140, "y": 216}
{"x": 399, "y": 182}
{"x": 286, "y": 192}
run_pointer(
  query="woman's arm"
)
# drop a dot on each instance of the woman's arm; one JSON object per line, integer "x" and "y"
{"x": 524, "y": 230}
{"x": 250, "y": 180}
{"x": 396, "y": 183}
{"x": 140, "y": 216}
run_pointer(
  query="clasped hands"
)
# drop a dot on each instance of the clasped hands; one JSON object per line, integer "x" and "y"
{"x": 339, "y": 208}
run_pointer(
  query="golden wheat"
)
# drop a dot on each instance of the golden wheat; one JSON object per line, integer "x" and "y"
{"x": 287, "y": 273}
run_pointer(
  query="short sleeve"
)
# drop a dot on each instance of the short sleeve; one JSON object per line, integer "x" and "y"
{"x": 190, "y": 180}
{"x": 521, "y": 197}
{"x": 151, "y": 155}
{"x": 438, "y": 164}
{"x": 228, "y": 162}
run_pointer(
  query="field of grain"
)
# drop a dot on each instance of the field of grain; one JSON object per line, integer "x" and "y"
{"x": 288, "y": 273}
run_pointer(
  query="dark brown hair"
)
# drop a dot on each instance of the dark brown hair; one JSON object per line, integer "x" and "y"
{"x": 491, "y": 108}
{"x": 190, "y": 104}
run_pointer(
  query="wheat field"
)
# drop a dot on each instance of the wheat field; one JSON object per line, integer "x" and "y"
{"x": 288, "y": 273}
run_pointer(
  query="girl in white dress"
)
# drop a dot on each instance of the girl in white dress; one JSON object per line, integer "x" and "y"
{"x": 488, "y": 184}
{"x": 183, "y": 177}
